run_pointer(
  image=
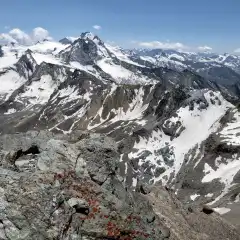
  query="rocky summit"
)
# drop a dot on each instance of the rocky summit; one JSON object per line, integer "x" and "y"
{"x": 100, "y": 142}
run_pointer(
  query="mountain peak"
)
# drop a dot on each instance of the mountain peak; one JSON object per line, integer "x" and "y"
{"x": 65, "y": 41}
{"x": 88, "y": 35}
{"x": 91, "y": 36}
{"x": 85, "y": 35}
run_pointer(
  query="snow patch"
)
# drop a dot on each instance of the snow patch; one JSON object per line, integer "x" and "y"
{"x": 237, "y": 198}
{"x": 225, "y": 172}
{"x": 48, "y": 58}
{"x": 39, "y": 91}
{"x": 222, "y": 210}
{"x": 134, "y": 111}
{"x": 209, "y": 195}
{"x": 230, "y": 133}
{"x": 8, "y": 59}
{"x": 194, "y": 196}
{"x": 121, "y": 74}
{"x": 201, "y": 122}
{"x": 118, "y": 52}
{"x": 10, "y": 81}
{"x": 10, "y": 111}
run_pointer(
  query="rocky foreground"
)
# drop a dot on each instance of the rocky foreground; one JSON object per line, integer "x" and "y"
{"x": 68, "y": 187}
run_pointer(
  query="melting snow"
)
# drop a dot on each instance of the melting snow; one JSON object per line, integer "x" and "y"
{"x": 121, "y": 55}
{"x": 134, "y": 184}
{"x": 39, "y": 91}
{"x": 120, "y": 73}
{"x": 8, "y": 59}
{"x": 225, "y": 172}
{"x": 48, "y": 47}
{"x": 87, "y": 68}
{"x": 222, "y": 210}
{"x": 200, "y": 122}
{"x": 115, "y": 71}
{"x": 194, "y": 196}
{"x": 43, "y": 51}
{"x": 70, "y": 94}
{"x": 231, "y": 133}
{"x": 209, "y": 195}
{"x": 237, "y": 199}
{"x": 48, "y": 58}
{"x": 148, "y": 59}
{"x": 10, "y": 81}
{"x": 10, "y": 111}
{"x": 134, "y": 111}
{"x": 99, "y": 113}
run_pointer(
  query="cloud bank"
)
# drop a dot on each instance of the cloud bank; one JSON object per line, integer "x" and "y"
{"x": 168, "y": 45}
{"x": 162, "y": 45}
{"x": 204, "y": 48}
{"x": 18, "y": 36}
{"x": 237, "y": 50}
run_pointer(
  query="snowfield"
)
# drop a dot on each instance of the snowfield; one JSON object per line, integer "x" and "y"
{"x": 198, "y": 125}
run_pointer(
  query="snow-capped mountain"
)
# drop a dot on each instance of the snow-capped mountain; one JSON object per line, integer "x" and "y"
{"x": 220, "y": 68}
{"x": 165, "y": 57}
{"x": 173, "y": 114}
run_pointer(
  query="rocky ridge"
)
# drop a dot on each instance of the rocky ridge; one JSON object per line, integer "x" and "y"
{"x": 69, "y": 187}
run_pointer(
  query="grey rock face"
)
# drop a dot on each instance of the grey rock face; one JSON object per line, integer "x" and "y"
{"x": 65, "y": 41}
{"x": 26, "y": 65}
{"x": 82, "y": 51}
{"x": 1, "y": 51}
{"x": 74, "y": 191}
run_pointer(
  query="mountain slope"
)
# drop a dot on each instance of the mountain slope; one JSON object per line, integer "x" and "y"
{"x": 172, "y": 125}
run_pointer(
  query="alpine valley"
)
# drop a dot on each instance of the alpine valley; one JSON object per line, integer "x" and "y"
{"x": 153, "y": 135}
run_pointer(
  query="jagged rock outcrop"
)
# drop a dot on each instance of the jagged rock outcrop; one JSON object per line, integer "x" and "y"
{"x": 68, "y": 187}
{"x": 26, "y": 65}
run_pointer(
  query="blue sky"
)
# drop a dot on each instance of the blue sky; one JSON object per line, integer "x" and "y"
{"x": 129, "y": 23}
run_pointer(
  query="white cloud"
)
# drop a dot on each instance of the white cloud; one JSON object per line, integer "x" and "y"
{"x": 237, "y": 50}
{"x": 6, "y": 38}
{"x": 204, "y": 48}
{"x": 16, "y": 35}
{"x": 162, "y": 45}
{"x": 165, "y": 45}
{"x": 40, "y": 34}
{"x": 97, "y": 27}
{"x": 20, "y": 36}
